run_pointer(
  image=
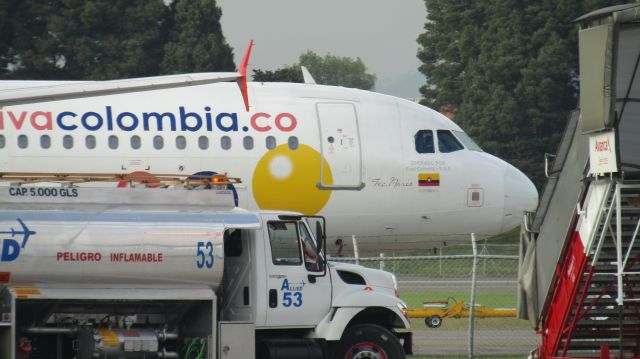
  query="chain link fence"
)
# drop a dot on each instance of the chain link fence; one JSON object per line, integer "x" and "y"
{"x": 442, "y": 282}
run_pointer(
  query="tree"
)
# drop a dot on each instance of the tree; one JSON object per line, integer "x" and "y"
{"x": 5, "y": 39}
{"x": 74, "y": 39}
{"x": 196, "y": 42}
{"x": 327, "y": 70}
{"x": 285, "y": 74}
{"x": 509, "y": 70}
{"x": 338, "y": 71}
{"x": 108, "y": 39}
{"x": 448, "y": 44}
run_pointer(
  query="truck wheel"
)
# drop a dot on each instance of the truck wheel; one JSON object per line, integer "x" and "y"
{"x": 369, "y": 341}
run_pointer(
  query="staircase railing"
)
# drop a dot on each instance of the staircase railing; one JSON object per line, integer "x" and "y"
{"x": 561, "y": 319}
{"x": 609, "y": 224}
{"x": 623, "y": 261}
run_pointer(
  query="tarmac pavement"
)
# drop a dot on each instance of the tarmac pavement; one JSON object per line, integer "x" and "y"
{"x": 493, "y": 342}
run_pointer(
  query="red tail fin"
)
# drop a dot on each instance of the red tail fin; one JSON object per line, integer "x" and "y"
{"x": 242, "y": 81}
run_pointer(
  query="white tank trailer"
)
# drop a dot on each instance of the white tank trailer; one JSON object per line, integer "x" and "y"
{"x": 90, "y": 273}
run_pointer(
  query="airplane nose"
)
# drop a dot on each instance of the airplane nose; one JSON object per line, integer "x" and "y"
{"x": 520, "y": 195}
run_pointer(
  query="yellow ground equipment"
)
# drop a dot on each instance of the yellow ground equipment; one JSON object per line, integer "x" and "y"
{"x": 434, "y": 312}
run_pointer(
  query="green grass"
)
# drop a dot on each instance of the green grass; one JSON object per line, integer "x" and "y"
{"x": 510, "y": 237}
{"x": 495, "y": 299}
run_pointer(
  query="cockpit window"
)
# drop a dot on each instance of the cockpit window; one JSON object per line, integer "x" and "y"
{"x": 424, "y": 141}
{"x": 467, "y": 141}
{"x": 447, "y": 142}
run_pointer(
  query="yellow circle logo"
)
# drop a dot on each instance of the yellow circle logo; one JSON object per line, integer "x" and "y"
{"x": 286, "y": 179}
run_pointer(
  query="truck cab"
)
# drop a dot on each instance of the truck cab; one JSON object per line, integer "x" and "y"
{"x": 300, "y": 295}
{"x": 150, "y": 273}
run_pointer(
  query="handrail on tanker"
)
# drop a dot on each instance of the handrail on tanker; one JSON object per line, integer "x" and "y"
{"x": 147, "y": 179}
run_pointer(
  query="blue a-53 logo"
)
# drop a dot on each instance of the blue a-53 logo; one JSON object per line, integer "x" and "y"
{"x": 11, "y": 246}
{"x": 292, "y": 293}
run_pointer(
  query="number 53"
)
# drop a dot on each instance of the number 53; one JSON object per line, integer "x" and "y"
{"x": 204, "y": 253}
{"x": 287, "y": 300}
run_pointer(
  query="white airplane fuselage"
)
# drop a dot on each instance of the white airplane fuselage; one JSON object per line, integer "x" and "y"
{"x": 357, "y": 157}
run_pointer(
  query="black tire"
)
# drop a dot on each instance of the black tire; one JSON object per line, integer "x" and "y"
{"x": 365, "y": 341}
{"x": 427, "y": 322}
{"x": 436, "y": 321}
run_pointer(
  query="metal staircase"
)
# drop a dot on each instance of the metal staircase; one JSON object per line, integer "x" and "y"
{"x": 602, "y": 304}
{"x": 579, "y": 277}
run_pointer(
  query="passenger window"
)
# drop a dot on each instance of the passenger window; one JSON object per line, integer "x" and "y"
{"x": 67, "y": 142}
{"x": 90, "y": 142}
{"x": 23, "y": 141}
{"x": 181, "y": 142}
{"x": 225, "y": 142}
{"x": 158, "y": 142}
{"x": 424, "y": 141}
{"x": 293, "y": 143}
{"x": 2, "y": 141}
{"x": 285, "y": 249}
{"x": 45, "y": 141}
{"x": 203, "y": 142}
{"x": 271, "y": 142}
{"x": 447, "y": 142}
{"x": 247, "y": 142}
{"x": 135, "y": 142}
{"x": 113, "y": 142}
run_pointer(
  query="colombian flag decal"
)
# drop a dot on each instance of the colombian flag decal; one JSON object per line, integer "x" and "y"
{"x": 428, "y": 179}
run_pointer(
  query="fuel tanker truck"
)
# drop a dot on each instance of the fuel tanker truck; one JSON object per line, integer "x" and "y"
{"x": 112, "y": 273}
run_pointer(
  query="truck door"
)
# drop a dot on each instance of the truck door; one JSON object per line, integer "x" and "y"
{"x": 340, "y": 145}
{"x": 293, "y": 300}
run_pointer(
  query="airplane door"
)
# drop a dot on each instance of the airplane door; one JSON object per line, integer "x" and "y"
{"x": 340, "y": 145}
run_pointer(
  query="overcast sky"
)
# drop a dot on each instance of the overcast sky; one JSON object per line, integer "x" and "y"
{"x": 381, "y": 32}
